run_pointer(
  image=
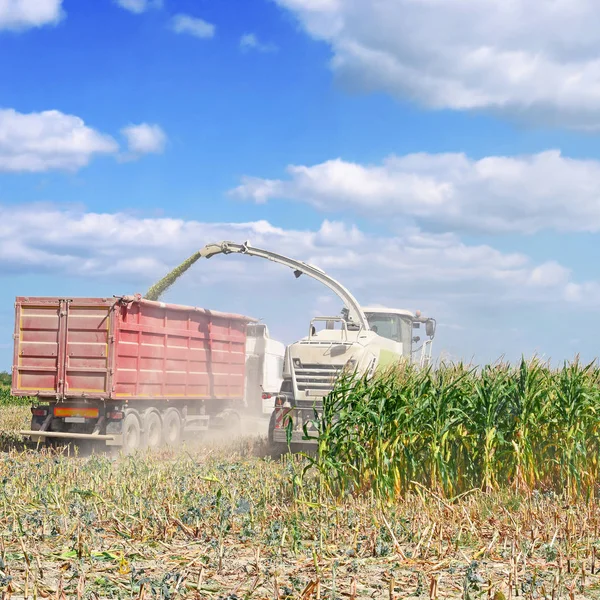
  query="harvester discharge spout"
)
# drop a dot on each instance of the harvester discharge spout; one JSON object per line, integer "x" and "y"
{"x": 356, "y": 315}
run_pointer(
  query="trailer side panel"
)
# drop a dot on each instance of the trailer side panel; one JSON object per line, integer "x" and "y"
{"x": 127, "y": 349}
{"x": 172, "y": 352}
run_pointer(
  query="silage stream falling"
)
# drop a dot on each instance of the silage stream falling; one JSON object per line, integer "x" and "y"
{"x": 160, "y": 287}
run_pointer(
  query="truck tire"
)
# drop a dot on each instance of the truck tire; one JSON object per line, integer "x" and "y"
{"x": 172, "y": 428}
{"x": 271, "y": 429}
{"x": 276, "y": 450}
{"x": 153, "y": 429}
{"x": 132, "y": 431}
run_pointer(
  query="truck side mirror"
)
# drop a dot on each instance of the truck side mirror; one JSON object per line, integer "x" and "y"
{"x": 430, "y": 327}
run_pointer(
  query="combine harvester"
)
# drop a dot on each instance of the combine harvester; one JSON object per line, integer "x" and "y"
{"x": 361, "y": 340}
{"x": 133, "y": 373}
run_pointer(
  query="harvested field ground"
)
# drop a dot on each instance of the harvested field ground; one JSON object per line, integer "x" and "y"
{"x": 220, "y": 521}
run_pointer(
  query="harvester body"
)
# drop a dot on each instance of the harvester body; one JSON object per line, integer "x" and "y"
{"x": 360, "y": 341}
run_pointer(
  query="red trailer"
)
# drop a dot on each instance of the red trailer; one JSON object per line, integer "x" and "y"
{"x": 127, "y": 371}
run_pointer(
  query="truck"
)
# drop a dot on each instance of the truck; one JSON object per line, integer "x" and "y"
{"x": 131, "y": 373}
{"x": 264, "y": 369}
{"x": 360, "y": 340}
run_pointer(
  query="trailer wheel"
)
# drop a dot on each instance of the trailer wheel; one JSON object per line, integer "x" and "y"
{"x": 228, "y": 420}
{"x": 132, "y": 431}
{"x": 233, "y": 423}
{"x": 172, "y": 428}
{"x": 153, "y": 435}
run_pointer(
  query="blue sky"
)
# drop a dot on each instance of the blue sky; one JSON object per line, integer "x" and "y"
{"x": 433, "y": 156}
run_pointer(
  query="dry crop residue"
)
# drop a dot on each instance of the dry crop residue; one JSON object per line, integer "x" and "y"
{"x": 213, "y": 523}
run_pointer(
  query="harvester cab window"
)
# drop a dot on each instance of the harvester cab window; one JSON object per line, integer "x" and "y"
{"x": 391, "y": 326}
{"x": 387, "y": 326}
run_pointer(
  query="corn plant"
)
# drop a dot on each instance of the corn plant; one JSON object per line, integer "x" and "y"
{"x": 573, "y": 410}
{"x": 486, "y": 413}
{"x": 458, "y": 427}
{"x": 530, "y": 409}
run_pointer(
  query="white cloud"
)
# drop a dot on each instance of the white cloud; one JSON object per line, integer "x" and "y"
{"x": 139, "y": 6}
{"x": 145, "y": 138}
{"x": 42, "y": 238}
{"x": 26, "y": 14}
{"x": 250, "y": 41}
{"x": 193, "y": 26}
{"x": 533, "y": 58}
{"x": 495, "y": 194}
{"x": 490, "y": 300}
{"x": 48, "y": 140}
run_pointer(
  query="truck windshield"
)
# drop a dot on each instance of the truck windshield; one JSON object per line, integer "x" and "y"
{"x": 392, "y": 326}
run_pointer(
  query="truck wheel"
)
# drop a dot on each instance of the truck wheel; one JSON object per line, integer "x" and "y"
{"x": 132, "y": 432}
{"x": 153, "y": 435}
{"x": 172, "y": 428}
{"x": 276, "y": 450}
{"x": 271, "y": 428}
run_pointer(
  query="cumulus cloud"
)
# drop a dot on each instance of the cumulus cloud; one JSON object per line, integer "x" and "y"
{"x": 491, "y": 302}
{"x": 193, "y": 26}
{"x": 522, "y": 194}
{"x": 26, "y": 14}
{"x": 145, "y": 138}
{"x": 250, "y": 41}
{"x": 531, "y": 58}
{"x": 139, "y": 6}
{"x": 42, "y": 238}
{"x": 42, "y": 141}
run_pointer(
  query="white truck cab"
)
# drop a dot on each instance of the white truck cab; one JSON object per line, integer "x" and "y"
{"x": 264, "y": 368}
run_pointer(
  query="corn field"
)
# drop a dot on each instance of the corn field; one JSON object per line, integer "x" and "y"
{"x": 457, "y": 428}
{"x": 7, "y": 400}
